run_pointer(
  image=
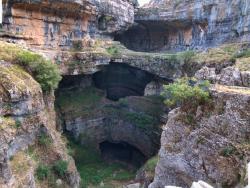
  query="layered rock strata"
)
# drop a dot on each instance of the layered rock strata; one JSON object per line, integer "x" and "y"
{"x": 63, "y": 24}
{"x": 191, "y": 24}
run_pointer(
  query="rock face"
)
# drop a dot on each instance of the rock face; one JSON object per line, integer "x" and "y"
{"x": 190, "y": 24}
{"x": 25, "y": 114}
{"x": 213, "y": 147}
{"x": 229, "y": 76}
{"x": 63, "y": 24}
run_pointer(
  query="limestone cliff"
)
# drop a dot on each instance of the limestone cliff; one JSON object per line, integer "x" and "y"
{"x": 26, "y": 115}
{"x": 213, "y": 146}
{"x": 190, "y": 24}
{"x": 106, "y": 91}
{"x": 63, "y": 24}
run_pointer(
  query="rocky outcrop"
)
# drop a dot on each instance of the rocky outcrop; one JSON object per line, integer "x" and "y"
{"x": 25, "y": 114}
{"x": 64, "y": 24}
{"x": 230, "y": 76}
{"x": 189, "y": 24}
{"x": 212, "y": 146}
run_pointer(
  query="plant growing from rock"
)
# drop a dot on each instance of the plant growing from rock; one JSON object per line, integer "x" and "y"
{"x": 60, "y": 167}
{"x": 42, "y": 172}
{"x": 44, "y": 140}
{"x": 187, "y": 93}
{"x": 45, "y": 72}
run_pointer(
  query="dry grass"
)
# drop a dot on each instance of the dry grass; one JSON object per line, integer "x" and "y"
{"x": 8, "y": 52}
{"x": 243, "y": 64}
{"x": 218, "y": 55}
{"x": 232, "y": 89}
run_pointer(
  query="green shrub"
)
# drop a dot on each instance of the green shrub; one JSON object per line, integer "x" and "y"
{"x": 186, "y": 56}
{"x": 45, "y": 72}
{"x": 60, "y": 167}
{"x": 42, "y": 172}
{"x": 18, "y": 123}
{"x": 141, "y": 120}
{"x": 185, "y": 92}
{"x": 44, "y": 140}
{"x": 77, "y": 45}
{"x": 151, "y": 164}
{"x": 179, "y": 57}
{"x": 244, "y": 53}
{"x": 113, "y": 50}
{"x": 228, "y": 151}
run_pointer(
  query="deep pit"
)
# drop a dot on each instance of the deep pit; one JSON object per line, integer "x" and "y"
{"x": 108, "y": 119}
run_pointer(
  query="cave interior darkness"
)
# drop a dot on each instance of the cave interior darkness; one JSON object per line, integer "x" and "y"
{"x": 117, "y": 81}
{"x": 121, "y": 80}
{"x": 122, "y": 152}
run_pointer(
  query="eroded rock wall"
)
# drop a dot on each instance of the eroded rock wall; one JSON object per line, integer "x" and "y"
{"x": 212, "y": 147}
{"x": 179, "y": 25}
{"x": 64, "y": 24}
{"x": 26, "y": 113}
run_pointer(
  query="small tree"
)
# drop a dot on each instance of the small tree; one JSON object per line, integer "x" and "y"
{"x": 186, "y": 92}
{"x": 45, "y": 72}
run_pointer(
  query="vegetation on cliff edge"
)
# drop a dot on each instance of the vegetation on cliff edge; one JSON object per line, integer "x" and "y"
{"x": 44, "y": 71}
{"x": 186, "y": 92}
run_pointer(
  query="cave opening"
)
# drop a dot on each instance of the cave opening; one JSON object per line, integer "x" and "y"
{"x": 95, "y": 111}
{"x": 121, "y": 80}
{"x": 122, "y": 152}
{"x": 162, "y": 36}
{"x": 145, "y": 37}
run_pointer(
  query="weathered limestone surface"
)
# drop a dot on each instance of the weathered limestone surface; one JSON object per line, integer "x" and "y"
{"x": 190, "y": 24}
{"x": 229, "y": 76}
{"x": 25, "y": 114}
{"x": 63, "y": 24}
{"x": 213, "y": 148}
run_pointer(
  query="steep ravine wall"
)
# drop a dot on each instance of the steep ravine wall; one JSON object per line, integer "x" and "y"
{"x": 26, "y": 114}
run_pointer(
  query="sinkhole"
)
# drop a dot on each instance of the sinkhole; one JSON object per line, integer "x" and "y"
{"x": 113, "y": 127}
{"x": 122, "y": 152}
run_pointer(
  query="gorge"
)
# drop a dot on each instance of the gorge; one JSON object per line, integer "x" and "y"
{"x": 104, "y": 93}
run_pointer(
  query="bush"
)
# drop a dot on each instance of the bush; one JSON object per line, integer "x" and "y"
{"x": 42, "y": 172}
{"x": 44, "y": 140}
{"x": 243, "y": 54}
{"x": 151, "y": 164}
{"x": 60, "y": 167}
{"x": 186, "y": 56}
{"x": 186, "y": 92}
{"x": 228, "y": 151}
{"x": 45, "y": 72}
{"x": 141, "y": 120}
{"x": 18, "y": 123}
{"x": 113, "y": 50}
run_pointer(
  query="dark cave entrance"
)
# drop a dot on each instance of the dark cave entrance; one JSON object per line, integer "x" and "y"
{"x": 162, "y": 36}
{"x": 122, "y": 152}
{"x": 94, "y": 120}
{"x": 145, "y": 37}
{"x": 121, "y": 80}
